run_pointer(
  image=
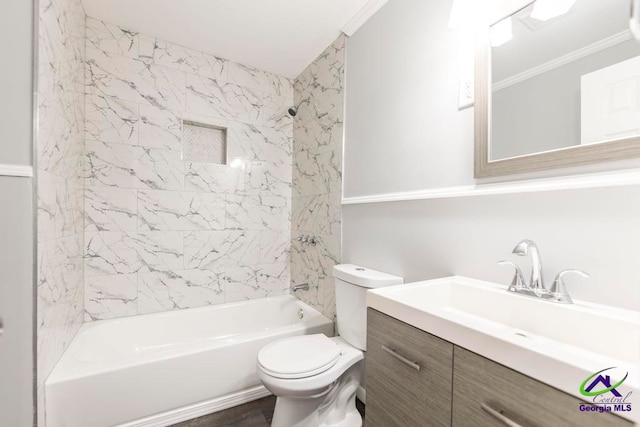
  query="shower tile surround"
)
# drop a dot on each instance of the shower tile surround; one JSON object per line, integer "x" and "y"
{"x": 162, "y": 233}
{"x": 126, "y": 227}
{"x": 317, "y": 176}
{"x": 60, "y": 186}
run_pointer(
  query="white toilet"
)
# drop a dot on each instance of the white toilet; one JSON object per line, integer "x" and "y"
{"x": 315, "y": 378}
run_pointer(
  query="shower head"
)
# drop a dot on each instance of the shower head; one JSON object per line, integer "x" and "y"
{"x": 294, "y": 109}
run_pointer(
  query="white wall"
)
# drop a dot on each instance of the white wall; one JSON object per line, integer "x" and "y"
{"x": 593, "y": 230}
{"x": 404, "y": 132}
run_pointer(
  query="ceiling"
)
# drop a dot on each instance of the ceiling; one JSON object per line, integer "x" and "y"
{"x": 281, "y": 36}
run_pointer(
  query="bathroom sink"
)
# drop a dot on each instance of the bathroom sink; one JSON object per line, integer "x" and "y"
{"x": 559, "y": 344}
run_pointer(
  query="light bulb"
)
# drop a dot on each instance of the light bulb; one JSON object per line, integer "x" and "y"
{"x": 544, "y": 10}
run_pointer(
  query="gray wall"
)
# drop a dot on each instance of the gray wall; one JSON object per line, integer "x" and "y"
{"x": 404, "y": 132}
{"x": 16, "y": 81}
{"x": 16, "y": 302}
{"x": 403, "y": 129}
{"x": 16, "y": 216}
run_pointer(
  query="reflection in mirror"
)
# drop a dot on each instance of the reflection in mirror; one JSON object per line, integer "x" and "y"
{"x": 564, "y": 73}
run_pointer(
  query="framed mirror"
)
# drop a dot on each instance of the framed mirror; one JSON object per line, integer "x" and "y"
{"x": 557, "y": 84}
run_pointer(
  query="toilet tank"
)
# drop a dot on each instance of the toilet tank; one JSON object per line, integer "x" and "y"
{"x": 352, "y": 284}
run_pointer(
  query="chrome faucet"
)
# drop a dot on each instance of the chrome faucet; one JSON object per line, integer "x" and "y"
{"x": 301, "y": 287}
{"x": 528, "y": 247}
{"x": 536, "y": 288}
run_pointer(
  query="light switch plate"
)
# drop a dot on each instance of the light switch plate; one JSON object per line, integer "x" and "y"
{"x": 465, "y": 93}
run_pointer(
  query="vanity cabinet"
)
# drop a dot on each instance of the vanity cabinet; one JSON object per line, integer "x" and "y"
{"x": 481, "y": 386}
{"x": 408, "y": 375}
{"x": 415, "y": 379}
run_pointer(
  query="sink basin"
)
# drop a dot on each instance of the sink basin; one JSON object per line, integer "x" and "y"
{"x": 559, "y": 344}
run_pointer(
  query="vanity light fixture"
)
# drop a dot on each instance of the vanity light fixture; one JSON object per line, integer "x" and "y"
{"x": 471, "y": 14}
{"x": 501, "y": 32}
{"x": 544, "y": 10}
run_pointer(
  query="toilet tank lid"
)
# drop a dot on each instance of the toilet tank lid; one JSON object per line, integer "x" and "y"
{"x": 365, "y": 277}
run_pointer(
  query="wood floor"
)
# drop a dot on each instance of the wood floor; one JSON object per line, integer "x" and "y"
{"x": 258, "y": 413}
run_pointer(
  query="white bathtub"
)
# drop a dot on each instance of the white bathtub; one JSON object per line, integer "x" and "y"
{"x": 160, "y": 369}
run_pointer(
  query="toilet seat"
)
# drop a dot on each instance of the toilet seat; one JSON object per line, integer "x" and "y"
{"x": 299, "y": 357}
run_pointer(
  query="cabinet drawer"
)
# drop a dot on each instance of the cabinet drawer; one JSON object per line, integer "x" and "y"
{"x": 527, "y": 402}
{"x": 408, "y": 375}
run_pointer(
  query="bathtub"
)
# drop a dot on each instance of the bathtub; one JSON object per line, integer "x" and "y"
{"x": 160, "y": 369}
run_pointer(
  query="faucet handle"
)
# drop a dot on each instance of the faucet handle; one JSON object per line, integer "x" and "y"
{"x": 558, "y": 287}
{"x": 518, "y": 279}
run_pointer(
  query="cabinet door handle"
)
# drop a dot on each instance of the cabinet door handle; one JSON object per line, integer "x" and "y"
{"x": 500, "y": 417}
{"x": 403, "y": 359}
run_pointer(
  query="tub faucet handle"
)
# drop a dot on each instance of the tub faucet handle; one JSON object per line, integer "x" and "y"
{"x": 307, "y": 240}
{"x": 303, "y": 239}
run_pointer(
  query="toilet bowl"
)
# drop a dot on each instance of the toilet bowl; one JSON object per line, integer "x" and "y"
{"x": 314, "y": 377}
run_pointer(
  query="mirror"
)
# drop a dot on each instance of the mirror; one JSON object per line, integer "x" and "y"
{"x": 557, "y": 84}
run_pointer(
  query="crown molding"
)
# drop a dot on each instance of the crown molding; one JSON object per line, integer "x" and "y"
{"x": 362, "y": 16}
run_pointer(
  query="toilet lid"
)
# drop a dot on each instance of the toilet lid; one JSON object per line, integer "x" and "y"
{"x": 298, "y": 357}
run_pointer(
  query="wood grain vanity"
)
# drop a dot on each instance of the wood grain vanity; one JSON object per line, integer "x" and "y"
{"x": 414, "y": 378}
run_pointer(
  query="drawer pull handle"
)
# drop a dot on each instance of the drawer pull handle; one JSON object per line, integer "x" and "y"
{"x": 403, "y": 359}
{"x": 500, "y": 417}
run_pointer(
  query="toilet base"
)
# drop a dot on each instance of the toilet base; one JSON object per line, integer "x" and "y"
{"x": 336, "y": 407}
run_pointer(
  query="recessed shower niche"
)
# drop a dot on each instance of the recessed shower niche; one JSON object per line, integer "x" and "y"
{"x": 204, "y": 143}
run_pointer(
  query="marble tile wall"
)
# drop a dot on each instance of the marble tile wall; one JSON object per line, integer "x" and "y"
{"x": 59, "y": 159}
{"x": 317, "y": 176}
{"x": 162, "y": 233}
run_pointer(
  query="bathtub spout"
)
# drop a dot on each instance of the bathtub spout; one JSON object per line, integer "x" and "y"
{"x": 302, "y": 287}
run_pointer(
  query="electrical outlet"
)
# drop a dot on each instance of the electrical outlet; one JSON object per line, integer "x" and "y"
{"x": 465, "y": 93}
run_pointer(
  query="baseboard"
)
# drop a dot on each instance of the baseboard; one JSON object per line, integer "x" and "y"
{"x": 200, "y": 409}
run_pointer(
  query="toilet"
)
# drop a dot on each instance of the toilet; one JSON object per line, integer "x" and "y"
{"x": 314, "y": 377}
